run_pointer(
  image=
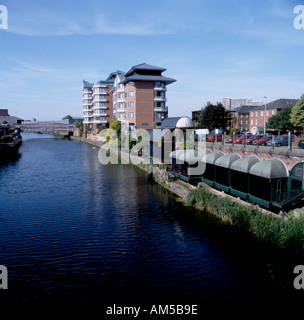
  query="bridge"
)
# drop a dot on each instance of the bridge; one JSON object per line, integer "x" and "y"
{"x": 64, "y": 127}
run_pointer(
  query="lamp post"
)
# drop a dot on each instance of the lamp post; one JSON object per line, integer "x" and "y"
{"x": 265, "y": 115}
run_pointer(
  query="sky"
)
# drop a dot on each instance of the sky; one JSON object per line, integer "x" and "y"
{"x": 213, "y": 48}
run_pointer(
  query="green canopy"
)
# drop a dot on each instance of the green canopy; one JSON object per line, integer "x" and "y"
{"x": 189, "y": 155}
{"x": 227, "y": 160}
{"x": 212, "y": 157}
{"x": 269, "y": 169}
{"x": 244, "y": 164}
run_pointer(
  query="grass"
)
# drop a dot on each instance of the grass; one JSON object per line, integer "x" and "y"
{"x": 279, "y": 233}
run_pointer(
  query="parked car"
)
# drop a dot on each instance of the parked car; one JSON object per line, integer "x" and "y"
{"x": 212, "y": 137}
{"x": 241, "y": 138}
{"x": 252, "y": 138}
{"x": 301, "y": 143}
{"x": 262, "y": 140}
{"x": 279, "y": 141}
{"x": 292, "y": 136}
{"x": 229, "y": 139}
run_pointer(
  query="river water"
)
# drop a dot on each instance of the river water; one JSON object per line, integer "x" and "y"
{"x": 74, "y": 229}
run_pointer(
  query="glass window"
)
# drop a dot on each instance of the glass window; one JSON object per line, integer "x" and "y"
{"x": 131, "y": 94}
{"x": 131, "y": 83}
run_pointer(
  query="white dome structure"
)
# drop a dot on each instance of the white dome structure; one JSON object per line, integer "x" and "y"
{"x": 184, "y": 123}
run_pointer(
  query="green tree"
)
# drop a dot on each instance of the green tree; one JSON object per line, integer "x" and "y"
{"x": 67, "y": 117}
{"x": 214, "y": 117}
{"x": 115, "y": 125}
{"x": 297, "y": 113}
{"x": 281, "y": 121}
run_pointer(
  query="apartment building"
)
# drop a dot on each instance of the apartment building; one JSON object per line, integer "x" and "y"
{"x": 252, "y": 118}
{"x": 97, "y": 104}
{"x": 259, "y": 114}
{"x": 137, "y": 97}
{"x": 140, "y": 96}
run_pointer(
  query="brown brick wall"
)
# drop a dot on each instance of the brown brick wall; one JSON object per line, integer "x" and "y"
{"x": 144, "y": 104}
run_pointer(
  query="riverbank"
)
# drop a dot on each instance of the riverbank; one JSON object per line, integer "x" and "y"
{"x": 283, "y": 231}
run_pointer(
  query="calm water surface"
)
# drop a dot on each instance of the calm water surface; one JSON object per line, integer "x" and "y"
{"x": 74, "y": 229}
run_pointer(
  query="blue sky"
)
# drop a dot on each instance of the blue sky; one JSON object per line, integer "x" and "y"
{"x": 213, "y": 48}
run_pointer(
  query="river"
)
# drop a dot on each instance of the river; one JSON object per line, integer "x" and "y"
{"x": 74, "y": 229}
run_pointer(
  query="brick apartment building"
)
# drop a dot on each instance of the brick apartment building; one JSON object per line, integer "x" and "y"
{"x": 137, "y": 97}
{"x": 252, "y": 118}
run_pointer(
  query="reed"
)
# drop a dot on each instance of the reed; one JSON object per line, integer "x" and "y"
{"x": 280, "y": 233}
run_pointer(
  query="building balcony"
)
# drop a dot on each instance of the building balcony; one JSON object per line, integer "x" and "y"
{"x": 99, "y": 85}
{"x": 89, "y": 104}
{"x": 99, "y": 108}
{"x": 160, "y": 99}
{"x": 100, "y": 121}
{"x": 160, "y": 109}
{"x": 120, "y": 100}
{"x": 158, "y": 88}
{"x": 99, "y": 92}
{"x": 120, "y": 90}
{"x": 120, "y": 110}
{"x": 96, "y": 114}
{"x": 100, "y": 99}
{"x": 87, "y": 121}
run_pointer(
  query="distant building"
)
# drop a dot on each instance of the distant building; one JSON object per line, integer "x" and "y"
{"x": 231, "y": 104}
{"x": 257, "y": 114}
{"x": 252, "y": 117}
{"x": 6, "y": 118}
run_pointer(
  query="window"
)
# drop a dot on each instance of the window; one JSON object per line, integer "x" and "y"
{"x": 131, "y": 104}
{"x": 131, "y": 94}
{"x": 261, "y": 113}
{"x": 121, "y": 86}
{"x": 131, "y": 114}
{"x": 272, "y": 112}
{"x": 251, "y": 113}
{"x": 121, "y": 96}
{"x": 251, "y": 122}
{"x": 160, "y": 84}
{"x": 158, "y": 115}
{"x": 267, "y": 113}
{"x": 256, "y": 113}
{"x": 131, "y": 83}
{"x": 121, "y": 116}
{"x": 241, "y": 122}
{"x": 256, "y": 122}
{"x": 241, "y": 116}
{"x": 121, "y": 106}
